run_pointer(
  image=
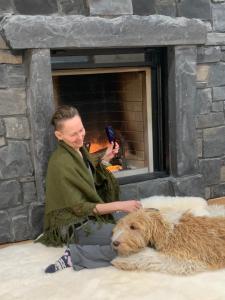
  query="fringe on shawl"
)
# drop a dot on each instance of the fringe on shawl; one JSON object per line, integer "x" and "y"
{"x": 62, "y": 228}
{"x": 61, "y": 223}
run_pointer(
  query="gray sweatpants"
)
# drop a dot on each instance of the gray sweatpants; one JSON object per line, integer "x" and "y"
{"x": 94, "y": 250}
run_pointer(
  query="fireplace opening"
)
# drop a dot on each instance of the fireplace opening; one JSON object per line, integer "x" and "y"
{"x": 118, "y": 95}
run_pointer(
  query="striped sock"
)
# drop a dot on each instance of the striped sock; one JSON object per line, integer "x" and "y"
{"x": 62, "y": 263}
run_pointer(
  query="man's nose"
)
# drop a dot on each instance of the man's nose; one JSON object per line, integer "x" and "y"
{"x": 116, "y": 243}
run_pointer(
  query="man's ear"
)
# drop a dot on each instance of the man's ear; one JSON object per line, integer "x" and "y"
{"x": 58, "y": 135}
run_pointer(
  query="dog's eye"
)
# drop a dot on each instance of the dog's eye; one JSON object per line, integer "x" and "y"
{"x": 133, "y": 227}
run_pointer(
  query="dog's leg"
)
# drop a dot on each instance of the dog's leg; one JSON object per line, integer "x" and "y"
{"x": 151, "y": 260}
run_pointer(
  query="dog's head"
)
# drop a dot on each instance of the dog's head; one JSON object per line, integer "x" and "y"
{"x": 134, "y": 231}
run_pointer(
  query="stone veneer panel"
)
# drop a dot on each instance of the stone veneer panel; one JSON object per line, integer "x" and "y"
{"x": 40, "y": 105}
{"x": 110, "y": 8}
{"x": 182, "y": 97}
{"x": 73, "y": 7}
{"x": 218, "y": 13}
{"x": 5, "y": 235}
{"x": 8, "y": 105}
{"x": 195, "y": 9}
{"x": 189, "y": 186}
{"x": 17, "y": 128}
{"x": 212, "y": 137}
{"x": 88, "y": 32}
{"x": 15, "y": 160}
{"x": 10, "y": 194}
{"x": 36, "y": 7}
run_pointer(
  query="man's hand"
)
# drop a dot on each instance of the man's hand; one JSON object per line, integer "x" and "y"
{"x": 129, "y": 205}
{"x": 124, "y": 206}
{"x": 110, "y": 152}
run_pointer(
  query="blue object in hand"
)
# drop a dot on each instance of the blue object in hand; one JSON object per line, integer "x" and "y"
{"x": 110, "y": 134}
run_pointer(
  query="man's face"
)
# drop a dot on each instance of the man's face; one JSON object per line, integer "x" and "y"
{"x": 72, "y": 132}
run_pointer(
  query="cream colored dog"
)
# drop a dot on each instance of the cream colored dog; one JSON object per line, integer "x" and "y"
{"x": 175, "y": 241}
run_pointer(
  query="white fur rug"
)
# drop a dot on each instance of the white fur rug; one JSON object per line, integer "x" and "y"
{"x": 22, "y": 277}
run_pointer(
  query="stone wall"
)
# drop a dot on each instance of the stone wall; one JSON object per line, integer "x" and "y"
{"x": 21, "y": 198}
{"x": 17, "y": 184}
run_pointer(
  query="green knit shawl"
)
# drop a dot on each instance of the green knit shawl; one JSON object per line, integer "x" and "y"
{"x": 72, "y": 193}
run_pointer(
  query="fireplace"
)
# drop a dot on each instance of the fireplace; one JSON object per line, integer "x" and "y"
{"x": 177, "y": 156}
{"x": 116, "y": 90}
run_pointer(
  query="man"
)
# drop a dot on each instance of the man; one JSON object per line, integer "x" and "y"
{"x": 80, "y": 198}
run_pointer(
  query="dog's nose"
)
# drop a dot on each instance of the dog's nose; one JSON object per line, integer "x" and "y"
{"x": 116, "y": 243}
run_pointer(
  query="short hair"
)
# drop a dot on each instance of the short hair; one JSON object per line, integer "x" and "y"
{"x": 62, "y": 113}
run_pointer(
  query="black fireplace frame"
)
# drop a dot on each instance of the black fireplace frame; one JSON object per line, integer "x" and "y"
{"x": 156, "y": 59}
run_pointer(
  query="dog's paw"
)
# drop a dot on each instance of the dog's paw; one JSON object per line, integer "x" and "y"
{"x": 123, "y": 264}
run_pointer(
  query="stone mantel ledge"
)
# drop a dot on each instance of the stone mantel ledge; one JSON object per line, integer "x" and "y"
{"x": 24, "y": 32}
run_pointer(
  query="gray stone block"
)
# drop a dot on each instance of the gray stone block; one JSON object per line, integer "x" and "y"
{"x": 155, "y": 187}
{"x": 110, "y": 8}
{"x": 36, "y": 218}
{"x": 73, "y": 7}
{"x": 210, "y": 120}
{"x": 218, "y": 12}
{"x": 210, "y": 169}
{"x": 199, "y": 134}
{"x": 41, "y": 107}
{"x": 20, "y": 228}
{"x": 2, "y": 127}
{"x": 189, "y": 186}
{"x": 166, "y": 7}
{"x": 223, "y": 55}
{"x": 216, "y": 74}
{"x": 214, "y": 142}
{"x": 22, "y": 32}
{"x": 15, "y": 76}
{"x": 17, "y": 128}
{"x": 4, "y": 227}
{"x": 218, "y": 190}
{"x": 15, "y": 160}
{"x": 195, "y": 9}
{"x": 182, "y": 98}
{"x": 208, "y": 25}
{"x": 217, "y": 106}
{"x": 146, "y": 7}
{"x": 2, "y": 42}
{"x": 128, "y": 191}
{"x": 219, "y": 93}
{"x": 10, "y": 194}
{"x": 2, "y": 141}
{"x": 29, "y": 192}
{"x": 208, "y": 193}
{"x": 203, "y": 101}
{"x": 36, "y": 7}
{"x": 12, "y": 76}
{"x": 6, "y": 6}
{"x": 199, "y": 147}
{"x": 215, "y": 38}
{"x": 208, "y": 54}
{"x": 3, "y": 80}
{"x": 12, "y": 101}
{"x": 143, "y": 7}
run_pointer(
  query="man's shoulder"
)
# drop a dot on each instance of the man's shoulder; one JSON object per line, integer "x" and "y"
{"x": 60, "y": 156}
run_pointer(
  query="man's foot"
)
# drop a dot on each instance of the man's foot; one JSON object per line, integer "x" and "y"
{"x": 62, "y": 263}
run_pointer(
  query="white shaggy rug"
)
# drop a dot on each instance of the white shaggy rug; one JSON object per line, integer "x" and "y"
{"x": 22, "y": 277}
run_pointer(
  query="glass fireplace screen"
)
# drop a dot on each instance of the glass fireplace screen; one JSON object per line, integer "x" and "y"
{"x": 119, "y": 97}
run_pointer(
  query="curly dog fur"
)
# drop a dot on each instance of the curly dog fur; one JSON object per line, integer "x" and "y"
{"x": 178, "y": 243}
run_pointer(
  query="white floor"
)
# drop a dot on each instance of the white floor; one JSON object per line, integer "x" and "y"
{"x": 22, "y": 277}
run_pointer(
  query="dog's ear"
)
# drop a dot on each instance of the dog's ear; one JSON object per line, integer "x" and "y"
{"x": 149, "y": 209}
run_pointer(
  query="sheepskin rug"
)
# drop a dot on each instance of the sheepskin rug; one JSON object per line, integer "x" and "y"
{"x": 22, "y": 277}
